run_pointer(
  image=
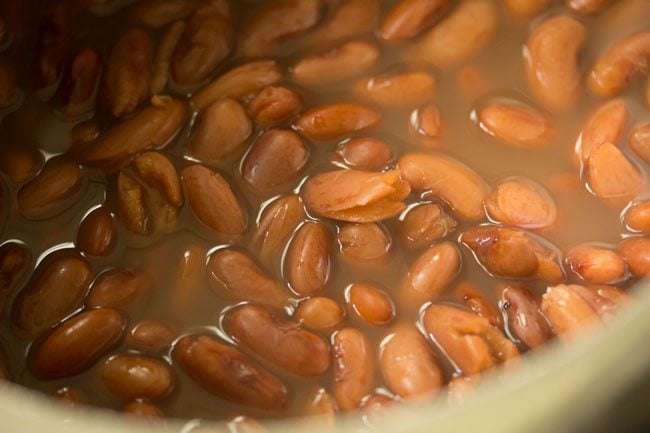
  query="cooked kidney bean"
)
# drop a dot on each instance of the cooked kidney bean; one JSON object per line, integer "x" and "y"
{"x": 524, "y": 317}
{"x": 636, "y": 252}
{"x": 276, "y": 223}
{"x": 517, "y": 125}
{"x": 612, "y": 176}
{"x": 15, "y": 258}
{"x": 396, "y": 90}
{"x": 158, "y": 171}
{"x": 354, "y": 368}
{"x": 366, "y": 242}
{"x": 80, "y": 84}
{"x": 605, "y": 125}
{"x": 134, "y": 376}
{"x": 308, "y": 259}
{"x": 521, "y": 203}
{"x": 347, "y": 19}
{"x": 320, "y": 314}
{"x": 52, "y": 47}
{"x": 19, "y": 163}
{"x": 366, "y": 153}
{"x": 408, "y": 18}
{"x": 477, "y": 302}
{"x": 370, "y": 303}
{"x": 322, "y": 405}
{"x": 596, "y": 264}
{"x": 568, "y": 310}
{"x": 163, "y": 57}
{"x": 637, "y": 218}
{"x": 332, "y": 121}
{"x": 640, "y": 141}
{"x": 274, "y": 105}
{"x": 521, "y": 9}
{"x": 131, "y": 197}
{"x": 97, "y": 233}
{"x": 119, "y": 288}
{"x": 150, "y": 336}
{"x": 421, "y": 225}
{"x": 426, "y": 125}
{"x": 157, "y": 13}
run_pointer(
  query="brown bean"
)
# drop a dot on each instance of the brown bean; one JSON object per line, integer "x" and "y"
{"x": 222, "y": 130}
{"x": 336, "y": 64}
{"x": 277, "y": 21}
{"x": 333, "y": 121}
{"x": 408, "y": 365}
{"x": 308, "y": 260}
{"x": 639, "y": 141}
{"x": 77, "y": 343}
{"x": 612, "y": 176}
{"x": 276, "y": 223}
{"x": 143, "y": 409}
{"x": 153, "y": 126}
{"x": 461, "y": 35}
{"x": 135, "y": 376}
{"x": 421, "y": 225}
{"x": 365, "y": 153}
{"x": 637, "y": 217}
{"x": 322, "y": 405}
{"x": 441, "y": 176}
{"x": 354, "y": 368}
{"x": 128, "y": 72}
{"x": 157, "y": 13}
{"x": 52, "y": 47}
{"x": 619, "y": 64}
{"x": 521, "y": 203}
{"x": 512, "y": 253}
{"x": 551, "y": 58}
{"x": 516, "y": 125}
{"x": 524, "y": 9}
{"x": 356, "y": 196}
{"x": 470, "y": 296}
{"x": 596, "y": 264}
{"x": 349, "y": 18}
{"x": 282, "y": 343}
{"x": 19, "y": 163}
{"x": 409, "y": 18}
{"x": 151, "y": 337}
{"x": 228, "y": 373}
{"x": 10, "y": 93}
{"x": 636, "y": 252}
{"x": 15, "y": 258}
{"x": 212, "y": 200}
{"x": 274, "y": 105}
{"x": 397, "y": 90}
{"x": 471, "y": 342}
{"x": 320, "y": 314}
{"x": 163, "y": 57}
{"x": 524, "y": 317}
{"x": 207, "y": 41}
{"x": 276, "y": 159}
{"x": 430, "y": 274}
{"x": 605, "y": 125}
{"x": 81, "y": 135}
{"x": 586, "y": 7}
{"x": 131, "y": 204}
{"x": 97, "y": 233}
{"x": 158, "y": 171}
{"x": 567, "y": 310}
{"x": 52, "y": 191}
{"x": 370, "y": 303}
{"x": 234, "y": 275}
{"x": 426, "y": 125}
{"x": 119, "y": 288}
{"x": 238, "y": 83}
{"x": 54, "y": 291}
{"x": 365, "y": 242}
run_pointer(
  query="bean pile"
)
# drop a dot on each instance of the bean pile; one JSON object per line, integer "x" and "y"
{"x": 241, "y": 210}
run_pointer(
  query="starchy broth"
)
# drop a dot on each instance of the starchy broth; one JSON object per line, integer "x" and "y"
{"x": 399, "y": 202}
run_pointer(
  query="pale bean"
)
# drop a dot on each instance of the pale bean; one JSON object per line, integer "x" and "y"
{"x": 639, "y": 141}
{"x": 158, "y": 171}
{"x": 20, "y": 163}
{"x": 636, "y": 252}
{"x": 430, "y": 274}
{"x": 421, "y": 225}
{"x": 521, "y": 203}
{"x": 276, "y": 223}
{"x": 354, "y": 368}
{"x": 349, "y": 18}
{"x": 163, "y": 57}
{"x": 228, "y": 373}
{"x": 365, "y": 153}
{"x": 77, "y": 343}
{"x": 131, "y": 204}
{"x": 470, "y": 342}
{"x": 128, "y": 73}
{"x": 135, "y": 376}
{"x": 524, "y": 9}
{"x": 337, "y": 120}
{"x": 637, "y": 218}
{"x": 274, "y": 105}
{"x": 308, "y": 259}
{"x": 97, "y": 233}
{"x": 524, "y": 317}
{"x": 438, "y": 175}
{"x": 15, "y": 258}
{"x": 282, "y": 343}
{"x": 370, "y": 303}
{"x": 612, "y": 177}
{"x": 470, "y": 296}
{"x": 212, "y": 201}
{"x": 409, "y": 18}
{"x": 426, "y": 125}
{"x": 356, "y": 196}
{"x": 234, "y": 275}
{"x": 119, "y": 288}
{"x": 596, "y": 264}
{"x": 151, "y": 336}
{"x": 397, "y": 90}
{"x": 320, "y": 314}
{"x": 605, "y": 125}
{"x": 221, "y": 132}
{"x": 551, "y": 57}
{"x": 516, "y": 125}
{"x": 567, "y": 311}
{"x": 408, "y": 365}
{"x": 366, "y": 242}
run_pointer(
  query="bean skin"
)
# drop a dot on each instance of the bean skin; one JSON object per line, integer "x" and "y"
{"x": 637, "y": 218}
{"x": 134, "y": 376}
{"x": 320, "y": 314}
{"x": 370, "y": 303}
{"x": 596, "y": 264}
{"x": 636, "y": 252}
{"x": 366, "y": 242}
{"x": 308, "y": 259}
{"x": 524, "y": 316}
{"x": 354, "y": 368}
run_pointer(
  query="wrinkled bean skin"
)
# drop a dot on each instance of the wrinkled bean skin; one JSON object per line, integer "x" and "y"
{"x": 639, "y": 141}
{"x": 77, "y": 343}
{"x": 131, "y": 204}
{"x": 612, "y": 176}
{"x": 50, "y": 192}
{"x": 511, "y": 253}
{"x": 308, "y": 260}
{"x": 370, "y": 303}
{"x": 441, "y": 176}
{"x": 207, "y": 41}
{"x": 163, "y": 57}
{"x": 409, "y": 18}
{"x": 422, "y": 225}
{"x": 471, "y": 342}
{"x": 56, "y": 290}
{"x": 157, "y": 13}
{"x": 521, "y": 203}
{"x": 277, "y": 21}
{"x": 228, "y": 373}
{"x": 356, "y": 196}
{"x": 222, "y": 130}
{"x": 282, "y": 343}
{"x": 19, "y": 163}
{"x": 348, "y": 18}
{"x": 605, "y": 125}
{"x": 128, "y": 73}
{"x": 366, "y": 154}
{"x": 551, "y": 62}
{"x": 636, "y": 252}
{"x": 354, "y": 368}
{"x": 336, "y": 64}
{"x": 334, "y": 121}
{"x": 366, "y": 242}
{"x": 568, "y": 310}
{"x": 276, "y": 223}
{"x": 524, "y": 317}
{"x": 15, "y": 258}
{"x": 143, "y": 409}
{"x": 150, "y": 127}
{"x": 518, "y": 126}
{"x": 397, "y": 90}
{"x": 158, "y": 171}
{"x": 213, "y": 201}
{"x": 135, "y": 376}
{"x": 472, "y": 297}
{"x": 80, "y": 84}
{"x": 277, "y": 158}
{"x": 97, "y": 234}
{"x": 119, "y": 288}
{"x": 151, "y": 337}
{"x": 234, "y": 275}
{"x": 596, "y": 264}
{"x": 619, "y": 64}
{"x": 274, "y": 105}
{"x": 637, "y": 218}
{"x": 408, "y": 365}
{"x": 430, "y": 274}
{"x": 320, "y": 314}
